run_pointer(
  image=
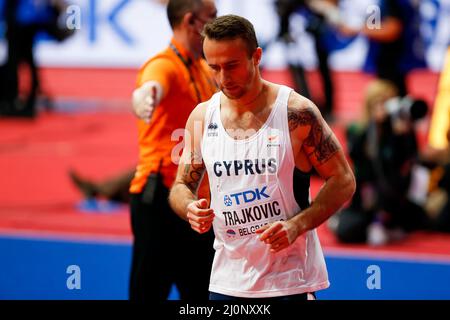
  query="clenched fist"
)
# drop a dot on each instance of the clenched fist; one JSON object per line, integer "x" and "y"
{"x": 278, "y": 235}
{"x": 200, "y": 216}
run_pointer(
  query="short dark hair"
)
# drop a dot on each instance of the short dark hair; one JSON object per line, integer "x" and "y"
{"x": 230, "y": 27}
{"x": 176, "y": 9}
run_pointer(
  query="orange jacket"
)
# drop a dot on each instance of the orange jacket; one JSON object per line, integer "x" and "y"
{"x": 181, "y": 97}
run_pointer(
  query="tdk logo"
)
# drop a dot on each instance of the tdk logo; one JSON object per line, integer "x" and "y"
{"x": 227, "y": 201}
{"x": 246, "y": 196}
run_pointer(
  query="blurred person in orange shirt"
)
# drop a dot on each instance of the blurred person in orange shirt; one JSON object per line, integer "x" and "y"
{"x": 169, "y": 86}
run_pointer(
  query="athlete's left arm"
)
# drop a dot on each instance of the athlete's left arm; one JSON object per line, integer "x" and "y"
{"x": 311, "y": 135}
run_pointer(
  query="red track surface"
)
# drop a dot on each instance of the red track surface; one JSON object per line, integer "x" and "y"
{"x": 38, "y": 199}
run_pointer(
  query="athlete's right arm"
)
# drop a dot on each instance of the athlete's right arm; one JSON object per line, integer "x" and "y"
{"x": 183, "y": 194}
{"x": 153, "y": 84}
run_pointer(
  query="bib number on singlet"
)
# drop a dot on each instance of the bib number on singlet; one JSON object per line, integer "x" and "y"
{"x": 245, "y": 211}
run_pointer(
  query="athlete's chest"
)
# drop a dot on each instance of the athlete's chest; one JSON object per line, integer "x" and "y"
{"x": 244, "y": 125}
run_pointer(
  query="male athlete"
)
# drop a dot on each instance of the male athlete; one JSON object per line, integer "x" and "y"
{"x": 255, "y": 137}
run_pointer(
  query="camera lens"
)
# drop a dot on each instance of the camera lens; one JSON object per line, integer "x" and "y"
{"x": 418, "y": 109}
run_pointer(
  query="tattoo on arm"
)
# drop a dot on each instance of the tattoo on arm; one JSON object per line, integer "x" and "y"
{"x": 322, "y": 142}
{"x": 193, "y": 172}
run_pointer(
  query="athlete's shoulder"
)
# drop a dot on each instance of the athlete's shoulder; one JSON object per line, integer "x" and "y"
{"x": 297, "y": 102}
{"x": 302, "y": 111}
{"x": 199, "y": 111}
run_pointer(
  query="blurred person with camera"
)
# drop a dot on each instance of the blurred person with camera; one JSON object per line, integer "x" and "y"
{"x": 383, "y": 150}
{"x": 25, "y": 20}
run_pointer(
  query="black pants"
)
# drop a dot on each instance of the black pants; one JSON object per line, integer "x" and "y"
{"x": 21, "y": 38}
{"x": 20, "y": 49}
{"x": 166, "y": 250}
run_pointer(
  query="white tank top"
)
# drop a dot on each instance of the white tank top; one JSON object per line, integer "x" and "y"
{"x": 251, "y": 184}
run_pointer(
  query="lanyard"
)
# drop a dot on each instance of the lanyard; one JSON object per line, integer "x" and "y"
{"x": 187, "y": 64}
